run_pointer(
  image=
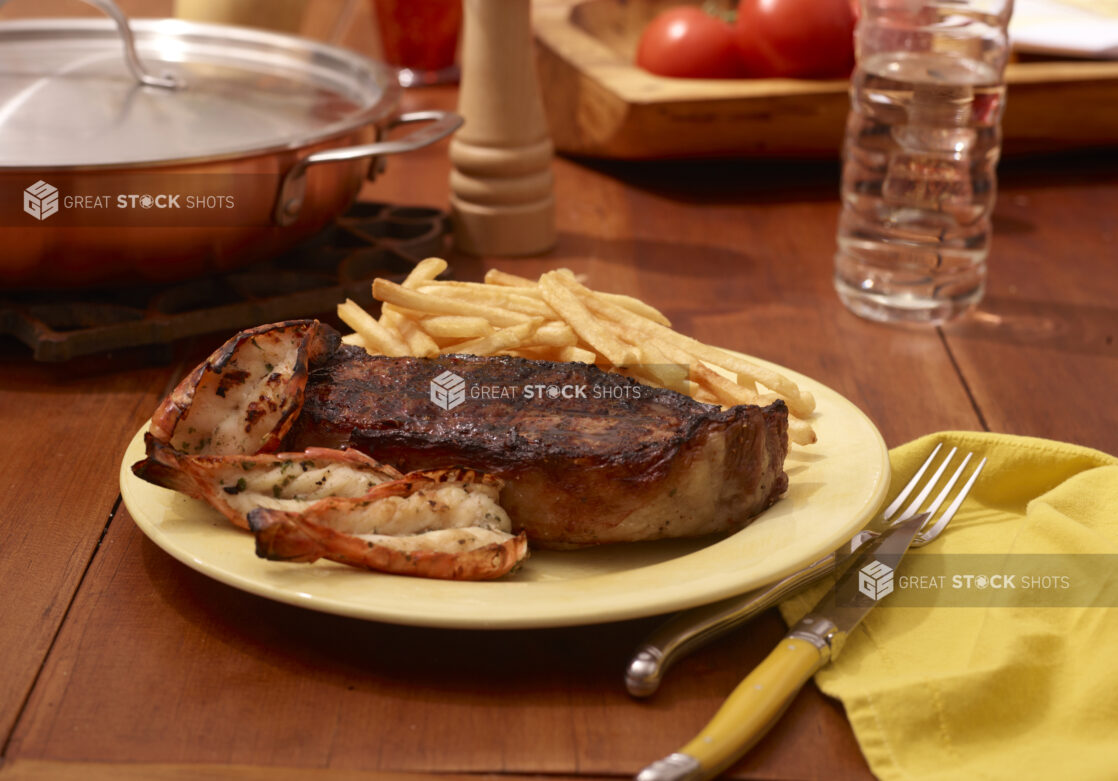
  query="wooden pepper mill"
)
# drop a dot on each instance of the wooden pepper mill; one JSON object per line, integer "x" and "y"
{"x": 502, "y": 190}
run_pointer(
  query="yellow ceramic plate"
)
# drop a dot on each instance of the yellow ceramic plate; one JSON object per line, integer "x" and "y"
{"x": 835, "y": 487}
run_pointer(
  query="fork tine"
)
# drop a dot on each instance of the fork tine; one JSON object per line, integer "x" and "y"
{"x": 915, "y": 481}
{"x": 913, "y": 508}
{"x": 949, "y": 513}
{"x": 950, "y": 484}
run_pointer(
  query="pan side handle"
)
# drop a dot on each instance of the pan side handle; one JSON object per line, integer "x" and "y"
{"x": 294, "y": 185}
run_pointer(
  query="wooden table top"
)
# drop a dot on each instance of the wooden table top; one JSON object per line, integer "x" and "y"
{"x": 119, "y": 662}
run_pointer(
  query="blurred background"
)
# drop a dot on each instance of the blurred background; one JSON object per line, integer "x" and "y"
{"x": 319, "y": 21}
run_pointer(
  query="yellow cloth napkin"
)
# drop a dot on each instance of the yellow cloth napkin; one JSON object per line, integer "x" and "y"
{"x": 1008, "y": 690}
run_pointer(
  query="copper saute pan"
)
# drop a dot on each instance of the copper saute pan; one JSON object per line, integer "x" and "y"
{"x": 158, "y": 150}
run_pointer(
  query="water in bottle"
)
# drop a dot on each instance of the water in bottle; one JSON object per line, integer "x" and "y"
{"x": 918, "y": 187}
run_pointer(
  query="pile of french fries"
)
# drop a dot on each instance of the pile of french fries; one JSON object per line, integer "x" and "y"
{"x": 557, "y": 318}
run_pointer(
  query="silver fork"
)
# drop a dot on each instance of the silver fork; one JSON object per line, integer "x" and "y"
{"x": 692, "y": 629}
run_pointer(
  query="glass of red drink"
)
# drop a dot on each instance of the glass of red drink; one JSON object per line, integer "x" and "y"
{"x": 420, "y": 37}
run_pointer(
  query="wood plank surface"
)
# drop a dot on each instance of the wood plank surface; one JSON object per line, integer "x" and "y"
{"x": 120, "y": 662}
{"x": 32, "y": 770}
{"x": 63, "y": 428}
{"x": 1041, "y": 354}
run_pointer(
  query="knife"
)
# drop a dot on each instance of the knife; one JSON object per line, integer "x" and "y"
{"x": 691, "y": 629}
{"x": 758, "y": 701}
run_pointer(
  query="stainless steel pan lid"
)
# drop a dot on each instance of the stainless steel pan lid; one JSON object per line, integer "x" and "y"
{"x": 68, "y": 98}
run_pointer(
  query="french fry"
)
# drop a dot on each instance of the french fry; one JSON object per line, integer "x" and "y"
{"x": 575, "y": 354}
{"x": 457, "y": 327}
{"x": 555, "y": 333}
{"x": 634, "y": 305}
{"x": 376, "y": 337}
{"x": 800, "y": 432}
{"x": 559, "y": 318}
{"x": 401, "y": 324}
{"x": 521, "y": 286}
{"x": 705, "y": 396}
{"x": 714, "y": 387}
{"x": 391, "y": 317}
{"x": 637, "y": 307}
{"x": 419, "y": 342}
{"x": 495, "y": 277}
{"x": 391, "y": 293}
{"x": 718, "y": 383}
{"x": 505, "y": 298}
{"x": 425, "y": 271}
{"x": 660, "y": 370}
{"x": 728, "y": 393}
{"x": 723, "y": 390}
{"x": 800, "y": 403}
{"x": 677, "y": 382}
{"x": 729, "y": 375}
{"x": 563, "y": 301}
{"x": 505, "y": 339}
{"x": 396, "y": 314}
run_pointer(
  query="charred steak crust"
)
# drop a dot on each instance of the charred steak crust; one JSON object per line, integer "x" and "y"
{"x": 386, "y": 402}
{"x": 615, "y": 461}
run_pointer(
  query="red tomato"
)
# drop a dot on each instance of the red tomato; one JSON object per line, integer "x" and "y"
{"x": 796, "y": 38}
{"x": 686, "y": 42}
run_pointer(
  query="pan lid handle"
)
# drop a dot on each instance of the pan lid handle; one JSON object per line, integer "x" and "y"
{"x": 110, "y": 9}
{"x": 294, "y": 186}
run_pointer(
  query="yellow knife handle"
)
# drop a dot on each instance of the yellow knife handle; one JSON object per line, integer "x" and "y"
{"x": 754, "y": 706}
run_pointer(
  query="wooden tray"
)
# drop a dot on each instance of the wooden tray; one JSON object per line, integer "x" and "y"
{"x": 601, "y": 105}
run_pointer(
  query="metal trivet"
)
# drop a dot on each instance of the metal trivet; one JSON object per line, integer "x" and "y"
{"x": 370, "y": 240}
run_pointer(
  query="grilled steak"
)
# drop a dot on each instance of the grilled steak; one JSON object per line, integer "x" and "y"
{"x": 588, "y": 456}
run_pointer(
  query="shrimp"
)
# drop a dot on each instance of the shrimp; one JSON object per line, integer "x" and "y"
{"x": 344, "y": 506}
{"x": 243, "y": 399}
{"x": 235, "y": 484}
{"x": 215, "y": 438}
{"x": 443, "y": 524}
